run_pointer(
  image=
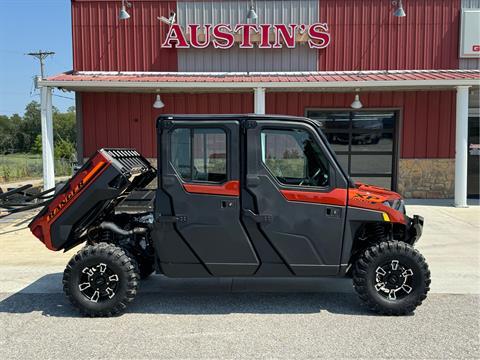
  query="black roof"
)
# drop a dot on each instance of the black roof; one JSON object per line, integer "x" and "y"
{"x": 230, "y": 117}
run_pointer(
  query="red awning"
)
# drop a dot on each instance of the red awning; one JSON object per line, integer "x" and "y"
{"x": 326, "y": 76}
{"x": 274, "y": 80}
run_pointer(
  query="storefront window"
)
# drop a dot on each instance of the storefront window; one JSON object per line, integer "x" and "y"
{"x": 364, "y": 142}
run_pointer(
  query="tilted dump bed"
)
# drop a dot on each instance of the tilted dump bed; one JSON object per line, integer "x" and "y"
{"x": 105, "y": 180}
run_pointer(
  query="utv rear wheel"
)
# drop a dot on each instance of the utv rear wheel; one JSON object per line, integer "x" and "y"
{"x": 101, "y": 280}
{"x": 391, "y": 278}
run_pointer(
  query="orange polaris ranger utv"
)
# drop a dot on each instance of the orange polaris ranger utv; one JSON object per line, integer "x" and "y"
{"x": 237, "y": 196}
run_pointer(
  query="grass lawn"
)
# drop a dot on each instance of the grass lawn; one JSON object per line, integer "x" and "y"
{"x": 15, "y": 167}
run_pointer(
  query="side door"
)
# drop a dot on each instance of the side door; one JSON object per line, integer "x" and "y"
{"x": 200, "y": 174}
{"x": 300, "y": 195}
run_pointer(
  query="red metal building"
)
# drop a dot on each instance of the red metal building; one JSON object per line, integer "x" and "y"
{"x": 413, "y": 82}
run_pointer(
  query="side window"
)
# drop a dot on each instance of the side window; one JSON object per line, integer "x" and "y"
{"x": 199, "y": 154}
{"x": 294, "y": 157}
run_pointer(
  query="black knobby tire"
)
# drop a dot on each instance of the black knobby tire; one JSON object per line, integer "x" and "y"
{"x": 89, "y": 262}
{"x": 369, "y": 278}
{"x": 144, "y": 266}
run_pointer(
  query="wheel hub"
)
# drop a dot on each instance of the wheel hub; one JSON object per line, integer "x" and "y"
{"x": 98, "y": 282}
{"x": 393, "y": 280}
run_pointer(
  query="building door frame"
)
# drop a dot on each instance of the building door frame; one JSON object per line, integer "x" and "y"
{"x": 397, "y": 133}
{"x": 472, "y": 159}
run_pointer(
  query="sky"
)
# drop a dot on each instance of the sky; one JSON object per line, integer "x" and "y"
{"x": 27, "y": 26}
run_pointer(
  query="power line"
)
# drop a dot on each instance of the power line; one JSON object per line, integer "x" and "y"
{"x": 65, "y": 97}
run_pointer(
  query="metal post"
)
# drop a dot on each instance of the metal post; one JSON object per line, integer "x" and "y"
{"x": 461, "y": 147}
{"x": 259, "y": 101}
{"x": 79, "y": 126}
{"x": 47, "y": 138}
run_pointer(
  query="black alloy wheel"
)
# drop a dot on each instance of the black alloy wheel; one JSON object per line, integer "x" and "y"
{"x": 101, "y": 280}
{"x": 391, "y": 278}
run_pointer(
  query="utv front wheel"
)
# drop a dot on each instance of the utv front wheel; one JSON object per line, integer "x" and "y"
{"x": 100, "y": 280}
{"x": 392, "y": 278}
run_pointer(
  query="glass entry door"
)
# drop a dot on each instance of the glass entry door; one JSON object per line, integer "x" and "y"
{"x": 473, "y": 177}
{"x": 364, "y": 142}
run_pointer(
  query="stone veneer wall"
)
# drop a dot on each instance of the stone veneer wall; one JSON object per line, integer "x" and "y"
{"x": 426, "y": 178}
{"x": 417, "y": 178}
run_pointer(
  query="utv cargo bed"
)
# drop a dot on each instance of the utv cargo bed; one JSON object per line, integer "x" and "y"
{"x": 104, "y": 181}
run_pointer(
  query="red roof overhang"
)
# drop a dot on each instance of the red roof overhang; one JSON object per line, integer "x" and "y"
{"x": 319, "y": 81}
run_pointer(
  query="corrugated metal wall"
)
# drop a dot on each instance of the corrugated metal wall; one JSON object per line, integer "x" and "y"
{"x": 121, "y": 119}
{"x": 427, "y": 121}
{"x": 233, "y": 12}
{"x": 470, "y": 63}
{"x": 471, "y": 4}
{"x": 366, "y": 35}
{"x": 128, "y": 120}
{"x": 102, "y": 42}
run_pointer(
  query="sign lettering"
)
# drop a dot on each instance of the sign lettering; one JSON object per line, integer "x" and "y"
{"x": 263, "y": 36}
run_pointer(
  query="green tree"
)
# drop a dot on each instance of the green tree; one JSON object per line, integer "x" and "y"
{"x": 30, "y": 126}
{"x": 5, "y": 138}
{"x": 65, "y": 150}
{"x": 23, "y": 134}
{"x": 64, "y": 126}
{"x": 37, "y": 145}
{"x": 8, "y": 133}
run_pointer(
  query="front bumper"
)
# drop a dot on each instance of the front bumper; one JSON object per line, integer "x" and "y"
{"x": 414, "y": 229}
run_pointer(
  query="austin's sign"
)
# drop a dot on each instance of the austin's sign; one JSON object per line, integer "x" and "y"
{"x": 263, "y": 36}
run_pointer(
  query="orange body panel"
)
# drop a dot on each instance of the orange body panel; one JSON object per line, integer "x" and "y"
{"x": 41, "y": 226}
{"x": 230, "y": 188}
{"x": 334, "y": 197}
{"x": 363, "y": 196}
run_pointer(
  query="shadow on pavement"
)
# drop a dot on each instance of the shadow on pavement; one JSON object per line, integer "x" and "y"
{"x": 159, "y": 295}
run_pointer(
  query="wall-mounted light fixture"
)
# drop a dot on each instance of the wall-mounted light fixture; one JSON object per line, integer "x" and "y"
{"x": 399, "y": 11}
{"x": 158, "y": 104}
{"x": 252, "y": 14}
{"x": 356, "y": 104}
{"x": 124, "y": 15}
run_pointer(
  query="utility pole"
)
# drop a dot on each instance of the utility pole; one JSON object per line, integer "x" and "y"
{"x": 41, "y": 56}
{"x": 46, "y": 119}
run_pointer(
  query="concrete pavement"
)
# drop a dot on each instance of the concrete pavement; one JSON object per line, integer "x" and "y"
{"x": 223, "y": 325}
{"x": 225, "y": 318}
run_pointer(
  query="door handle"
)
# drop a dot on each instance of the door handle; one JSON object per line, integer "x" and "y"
{"x": 258, "y": 218}
{"x": 333, "y": 212}
{"x": 228, "y": 204}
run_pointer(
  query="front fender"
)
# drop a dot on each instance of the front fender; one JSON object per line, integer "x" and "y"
{"x": 414, "y": 229}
